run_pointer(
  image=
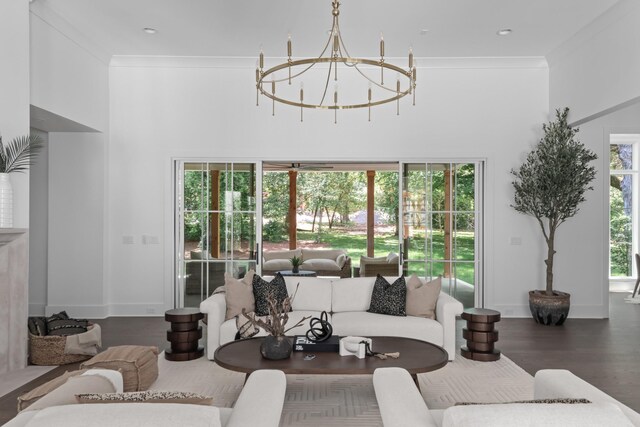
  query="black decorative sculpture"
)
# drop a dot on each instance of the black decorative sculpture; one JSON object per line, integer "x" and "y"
{"x": 320, "y": 328}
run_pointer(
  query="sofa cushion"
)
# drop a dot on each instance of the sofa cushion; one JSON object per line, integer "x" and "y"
{"x": 352, "y": 294}
{"x": 282, "y": 255}
{"x": 317, "y": 264}
{"x": 277, "y": 265}
{"x": 539, "y": 414}
{"x": 228, "y": 329}
{"x": 128, "y": 414}
{"x": 263, "y": 289}
{"x": 365, "y": 260}
{"x": 138, "y": 364}
{"x": 371, "y": 324}
{"x": 66, "y": 393}
{"x": 313, "y": 294}
{"x": 331, "y": 254}
{"x": 389, "y": 298}
{"x": 422, "y": 297}
{"x": 27, "y": 399}
{"x": 239, "y": 294}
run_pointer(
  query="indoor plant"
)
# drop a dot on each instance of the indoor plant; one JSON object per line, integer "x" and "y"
{"x": 16, "y": 156}
{"x": 550, "y": 185}
{"x": 296, "y": 262}
{"x": 275, "y": 346}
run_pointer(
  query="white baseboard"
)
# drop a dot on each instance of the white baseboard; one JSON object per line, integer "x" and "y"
{"x": 36, "y": 310}
{"x": 150, "y": 310}
{"x": 79, "y": 311}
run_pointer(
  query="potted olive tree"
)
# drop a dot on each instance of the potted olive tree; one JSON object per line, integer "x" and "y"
{"x": 550, "y": 185}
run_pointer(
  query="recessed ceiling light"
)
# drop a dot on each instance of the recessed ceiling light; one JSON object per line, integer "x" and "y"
{"x": 424, "y": 31}
{"x": 150, "y": 30}
{"x": 504, "y": 32}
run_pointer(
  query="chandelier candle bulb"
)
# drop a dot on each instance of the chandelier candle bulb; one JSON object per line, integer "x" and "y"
{"x": 289, "y": 45}
{"x": 410, "y": 57}
{"x": 381, "y": 46}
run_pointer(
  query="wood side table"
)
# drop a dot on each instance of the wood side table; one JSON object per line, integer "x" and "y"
{"x": 184, "y": 334}
{"x": 480, "y": 334}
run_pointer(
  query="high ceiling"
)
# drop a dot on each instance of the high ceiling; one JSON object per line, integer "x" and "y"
{"x": 237, "y": 28}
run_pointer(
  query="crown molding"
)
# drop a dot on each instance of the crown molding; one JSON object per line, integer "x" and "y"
{"x": 49, "y": 17}
{"x": 609, "y": 18}
{"x": 133, "y": 61}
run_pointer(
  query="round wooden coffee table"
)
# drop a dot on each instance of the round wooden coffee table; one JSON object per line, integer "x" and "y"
{"x": 415, "y": 356}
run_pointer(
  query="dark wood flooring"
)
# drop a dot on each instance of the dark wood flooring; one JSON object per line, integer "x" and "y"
{"x": 602, "y": 352}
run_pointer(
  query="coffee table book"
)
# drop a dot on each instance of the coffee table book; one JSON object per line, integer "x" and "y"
{"x": 301, "y": 343}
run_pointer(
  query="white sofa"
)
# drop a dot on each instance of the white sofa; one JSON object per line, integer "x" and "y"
{"x": 402, "y": 405}
{"x": 254, "y": 407}
{"x": 325, "y": 262}
{"x": 347, "y": 302}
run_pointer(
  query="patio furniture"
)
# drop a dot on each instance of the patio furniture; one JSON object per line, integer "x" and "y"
{"x": 384, "y": 266}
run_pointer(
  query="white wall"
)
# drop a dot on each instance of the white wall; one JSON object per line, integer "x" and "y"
{"x": 38, "y": 227}
{"x": 69, "y": 76}
{"x": 70, "y": 80}
{"x": 76, "y": 218}
{"x": 14, "y": 87}
{"x": 203, "y": 109}
{"x": 597, "y": 70}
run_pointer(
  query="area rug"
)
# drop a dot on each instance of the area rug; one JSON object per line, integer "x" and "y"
{"x": 349, "y": 400}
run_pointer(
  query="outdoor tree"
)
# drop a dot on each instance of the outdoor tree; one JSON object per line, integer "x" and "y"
{"x": 551, "y": 183}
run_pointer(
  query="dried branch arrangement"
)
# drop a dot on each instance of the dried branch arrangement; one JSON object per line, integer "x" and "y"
{"x": 278, "y": 317}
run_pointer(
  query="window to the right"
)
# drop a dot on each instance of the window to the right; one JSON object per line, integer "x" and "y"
{"x": 623, "y": 200}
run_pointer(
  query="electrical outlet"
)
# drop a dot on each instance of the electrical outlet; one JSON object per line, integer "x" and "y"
{"x": 127, "y": 240}
{"x": 515, "y": 240}
{"x": 151, "y": 310}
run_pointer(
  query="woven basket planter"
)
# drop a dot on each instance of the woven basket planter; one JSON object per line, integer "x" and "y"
{"x": 49, "y": 350}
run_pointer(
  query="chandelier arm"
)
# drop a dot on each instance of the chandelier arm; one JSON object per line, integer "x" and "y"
{"x": 326, "y": 84}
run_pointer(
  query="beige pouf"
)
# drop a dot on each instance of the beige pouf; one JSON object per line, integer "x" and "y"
{"x": 138, "y": 365}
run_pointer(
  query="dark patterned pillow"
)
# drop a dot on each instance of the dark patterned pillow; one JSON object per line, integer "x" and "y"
{"x": 262, "y": 289}
{"x": 58, "y": 316}
{"x": 64, "y": 327}
{"x": 37, "y": 326}
{"x": 388, "y": 298}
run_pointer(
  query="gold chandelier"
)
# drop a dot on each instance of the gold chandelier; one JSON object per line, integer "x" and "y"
{"x": 334, "y": 53}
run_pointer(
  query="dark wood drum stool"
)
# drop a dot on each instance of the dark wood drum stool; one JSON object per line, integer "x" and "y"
{"x": 184, "y": 334}
{"x": 480, "y": 334}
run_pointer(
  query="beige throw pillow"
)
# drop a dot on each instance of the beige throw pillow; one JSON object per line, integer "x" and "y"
{"x": 239, "y": 294}
{"x": 422, "y": 298}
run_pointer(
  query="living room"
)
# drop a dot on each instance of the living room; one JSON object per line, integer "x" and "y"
{"x": 118, "y": 107}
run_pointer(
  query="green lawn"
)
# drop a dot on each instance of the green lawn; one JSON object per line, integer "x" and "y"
{"x": 356, "y": 246}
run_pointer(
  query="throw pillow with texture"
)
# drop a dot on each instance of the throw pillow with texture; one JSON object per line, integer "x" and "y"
{"x": 32, "y": 396}
{"x": 138, "y": 364}
{"x": 245, "y": 328}
{"x": 262, "y": 289}
{"x": 422, "y": 298}
{"x": 389, "y": 298}
{"x": 64, "y": 327}
{"x": 150, "y": 396}
{"x": 239, "y": 294}
{"x": 66, "y": 393}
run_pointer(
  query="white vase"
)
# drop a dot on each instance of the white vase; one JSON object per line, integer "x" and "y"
{"x": 6, "y": 201}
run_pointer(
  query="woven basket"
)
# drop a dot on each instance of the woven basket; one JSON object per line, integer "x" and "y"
{"x": 49, "y": 350}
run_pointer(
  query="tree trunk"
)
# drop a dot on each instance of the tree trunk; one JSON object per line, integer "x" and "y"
{"x": 549, "y": 261}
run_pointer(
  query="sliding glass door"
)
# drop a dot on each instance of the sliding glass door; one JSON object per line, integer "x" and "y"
{"x": 216, "y": 226}
{"x": 441, "y": 217}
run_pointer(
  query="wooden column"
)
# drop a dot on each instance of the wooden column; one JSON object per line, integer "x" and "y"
{"x": 447, "y": 221}
{"x": 214, "y": 227}
{"x": 293, "y": 202}
{"x": 371, "y": 175}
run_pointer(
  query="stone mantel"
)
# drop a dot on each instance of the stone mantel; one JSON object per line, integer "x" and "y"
{"x": 8, "y": 235}
{"x": 14, "y": 294}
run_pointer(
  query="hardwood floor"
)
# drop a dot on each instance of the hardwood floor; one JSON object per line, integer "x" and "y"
{"x": 602, "y": 352}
